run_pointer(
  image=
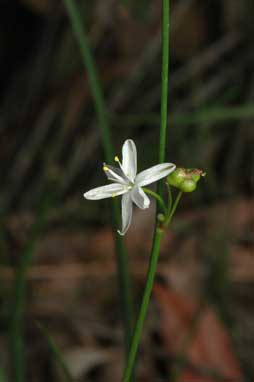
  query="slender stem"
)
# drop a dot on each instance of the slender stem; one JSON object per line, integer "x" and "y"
{"x": 148, "y": 289}
{"x": 177, "y": 200}
{"x": 57, "y": 353}
{"x": 206, "y": 115}
{"x": 157, "y": 197}
{"x": 170, "y": 199}
{"x": 2, "y": 375}
{"x": 164, "y": 85}
{"x": 158, "y": 233}
{"x": 164, "y": 79}
{"x": 81, "y": 37}
{"x": 125, "y": 294}
{"x": 144, "y": 305}
{"x": 122, "y": 262}
{"x": 16, "y": 326}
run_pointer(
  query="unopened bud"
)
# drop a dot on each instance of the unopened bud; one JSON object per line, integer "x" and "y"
{"x": 176, "y": 177}
{"x": 188, "y": 185}
{"x": 185, "y": 179}
{"x": 161, "y": 218}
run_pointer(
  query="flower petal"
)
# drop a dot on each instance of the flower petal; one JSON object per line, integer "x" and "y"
{"x": 108, "y": 191}
{"x": 129, "y": 154}
{"x": 115, "y": 174}
{"x": 126, "y": 213}
{"x": 154, "y": 173}
{"x": 140, "y": 198}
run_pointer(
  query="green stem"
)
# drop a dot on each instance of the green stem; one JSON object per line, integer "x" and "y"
{"x": 2, "y": 375}
{"x": 148, "y": 289}
{"x": 16, "y": 326}
{"x": 209, "y": 115}
{"x": 158, "y": 233}
{"x": 170, "y": 198}
{"x": 93, "y": 79}
{"x": 157, "y": 197}
{"x": 171, "y": 214}
{"x": 164, "y": 85}
{"x": 164, "y": 79}
{"x": 96, "y": 89}
{"x": 144, "y": 305}
{"x": 125, "y": 294}
{"x": 57, "y": 353}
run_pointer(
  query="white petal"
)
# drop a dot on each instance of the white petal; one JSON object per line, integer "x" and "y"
{"x": 129, "y": 154}
{"x": 115, "y": 174}
{"x": 140, "y": 198}
{"x": 154, "y": 173}
{"x": 126, "y": 213}
{"x": 107, "y": 191}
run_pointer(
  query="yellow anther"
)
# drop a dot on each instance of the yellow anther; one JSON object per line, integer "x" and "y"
{"x": 113, "y": 195}
{"x": 105, "y": 168}
{"x": 116, "y": 159}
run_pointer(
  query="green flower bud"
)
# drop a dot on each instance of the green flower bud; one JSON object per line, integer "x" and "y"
{"x": 176, "y": 177}
{"x": 188, "y": 185}
{"x": 196, "y": 174}
{"x": 161, "y": 218}
{"x": 185, "y": 179}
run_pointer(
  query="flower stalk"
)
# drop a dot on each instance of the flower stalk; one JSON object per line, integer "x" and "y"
{"x": 164, "y": 84}
{"x": 158, "y": 198}
{"x": 144, "y": 305}
{"x": 158, "y": 233}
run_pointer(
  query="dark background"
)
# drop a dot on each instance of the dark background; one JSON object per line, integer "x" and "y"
{"x": 51, "y": 152}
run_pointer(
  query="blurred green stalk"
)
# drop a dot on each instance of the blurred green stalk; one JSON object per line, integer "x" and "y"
{"x": 2, "y": 377}
{"x": 143, "y": 307}
{"x": 17, "y": 309}
{"x": 57, "y": 354}
{"x": 164, "y": 80}
{"x": 122, "y": 262}
{"x": 208, "y": 115}
{"x": 158, "y": 233}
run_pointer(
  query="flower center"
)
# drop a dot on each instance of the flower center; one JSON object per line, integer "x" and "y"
{"x": 116, "y": 159}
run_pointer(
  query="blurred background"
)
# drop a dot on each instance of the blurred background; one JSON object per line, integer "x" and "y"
{"x": 51, "y": 153}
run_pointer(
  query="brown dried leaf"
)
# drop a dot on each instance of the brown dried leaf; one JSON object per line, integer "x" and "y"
{"x": 199, "y": 335}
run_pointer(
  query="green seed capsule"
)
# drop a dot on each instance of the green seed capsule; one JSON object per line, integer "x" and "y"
{"x": 176, "y": 177}
{"x": 195, "y": 177}
{"x": 188, "y": 185}
{"x": 196, "y": 174}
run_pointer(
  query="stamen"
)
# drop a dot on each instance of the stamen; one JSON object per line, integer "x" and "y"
{"x": 120, "y": 164}
{"x": 113, "y": 195}
{"x": 105, "y": 168}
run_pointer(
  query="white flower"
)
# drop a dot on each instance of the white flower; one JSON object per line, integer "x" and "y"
{"x": 128, "y": 183}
